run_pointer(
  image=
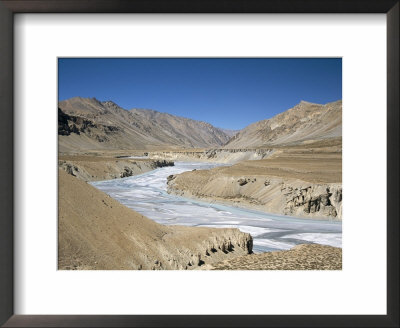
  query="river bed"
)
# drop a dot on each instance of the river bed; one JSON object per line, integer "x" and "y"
{"x": 147, "y": 194}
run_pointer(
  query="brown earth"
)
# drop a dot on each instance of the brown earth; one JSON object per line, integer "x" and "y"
{"x": 97, "y": 232}
{"x": 95, "y": 168}
{"x": 315, "y": 165}
{"x": 304, "y": 182}
{"x": 301, "y": 257}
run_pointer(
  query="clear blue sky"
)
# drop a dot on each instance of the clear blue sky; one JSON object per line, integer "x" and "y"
{"x": 229, "y": 93}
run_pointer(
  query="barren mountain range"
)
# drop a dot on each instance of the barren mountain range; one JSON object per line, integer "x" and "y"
{"x": 305, "y": 122}
{"x": 87, "y": 123}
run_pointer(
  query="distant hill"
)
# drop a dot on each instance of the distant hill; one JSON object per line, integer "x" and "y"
{"x": 305, "y": 122}
{"x": 230, "y": 133}
{"x": 89, "y": 124}
{"x": 188, "y": 132}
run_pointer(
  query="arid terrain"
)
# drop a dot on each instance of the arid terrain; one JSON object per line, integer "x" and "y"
{"x": 302, "y": 257}
{"x": 304, "y": 123}
{"x": 97, "y": 232}
{"x": 290, "y": 164}
{"x": 297, "y": 181}
{"x": 94, "y": 168}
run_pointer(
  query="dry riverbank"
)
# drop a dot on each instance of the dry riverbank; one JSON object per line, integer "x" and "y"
{"x": 298, "y": 182}
{"x": 95, "y": 168}
{"x": 217, "y": 155}
{"x": 96, "y": 232}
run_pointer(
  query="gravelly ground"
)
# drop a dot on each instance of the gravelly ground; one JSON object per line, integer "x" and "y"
{"x": 301, "y": 257}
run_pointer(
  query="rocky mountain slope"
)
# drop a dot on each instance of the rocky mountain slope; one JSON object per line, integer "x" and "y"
{"x": 89, "y": 124}
{"x": 230, "y": 133}
{"x": 305, "y": 122}
{"x": 188, "y": 132}
{"x": 97, "y": 232}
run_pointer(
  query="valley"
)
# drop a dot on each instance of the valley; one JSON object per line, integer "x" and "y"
{"x": 193, "y": 188}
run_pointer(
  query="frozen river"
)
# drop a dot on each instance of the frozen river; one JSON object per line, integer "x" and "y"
{"x": 147, "y": 194}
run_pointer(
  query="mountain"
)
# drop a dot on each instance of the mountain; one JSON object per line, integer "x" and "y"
{"x": 89, "y": 124}
{"x": 190, "y": 132}
{"x": 230, "y": 133}
{"x": 305, "y": 122}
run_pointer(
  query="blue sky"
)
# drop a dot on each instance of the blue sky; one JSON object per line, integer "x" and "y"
{"x": 229, "y": 93}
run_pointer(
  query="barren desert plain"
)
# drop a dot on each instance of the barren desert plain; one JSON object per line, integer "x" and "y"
{"x": 144, "y": 190}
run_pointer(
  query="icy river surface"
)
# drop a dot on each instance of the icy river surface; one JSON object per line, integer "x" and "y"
{"x": 147, "y": 194}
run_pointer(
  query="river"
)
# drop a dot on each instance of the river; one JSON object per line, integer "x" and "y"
{"x": 147, "y": 194}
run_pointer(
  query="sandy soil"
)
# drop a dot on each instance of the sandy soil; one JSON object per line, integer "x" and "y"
{"x": 311, "y": 165}
{"x": 301, "y": 257}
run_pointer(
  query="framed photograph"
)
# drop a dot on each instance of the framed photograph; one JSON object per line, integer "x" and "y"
{"x": 199, "y": 163}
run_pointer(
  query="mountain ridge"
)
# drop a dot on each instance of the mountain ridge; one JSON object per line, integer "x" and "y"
{"x": 131, "y": 129}
{"x": 302, "y": 123}
{"x": 91, "y": 124}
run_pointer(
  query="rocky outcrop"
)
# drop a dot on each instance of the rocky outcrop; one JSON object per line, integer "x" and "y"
{"x": 126, "y": 173}
{"x": 161, "y": 163}
{"x": 316, "y": 199}
{"x": 69, "y": 124}
{"x": 69, "y": 168}
{"x": 243, "y": 182}
{"x": 63, "y": 124}
{"x": 171, "y": 177}
{"x": 228, "y": 243}
{"x": 223, "y": 243}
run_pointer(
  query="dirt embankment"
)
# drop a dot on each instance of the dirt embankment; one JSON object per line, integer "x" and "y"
{"x": 95, "y": 168}
{"x": 212, "y": 155}
{"x": 97, "y": 232}
{"x": 298, "y": 182}
{"x": 301, "y": 257}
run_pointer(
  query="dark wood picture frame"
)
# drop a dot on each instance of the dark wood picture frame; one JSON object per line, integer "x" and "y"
{"x": 7, "y": 10}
